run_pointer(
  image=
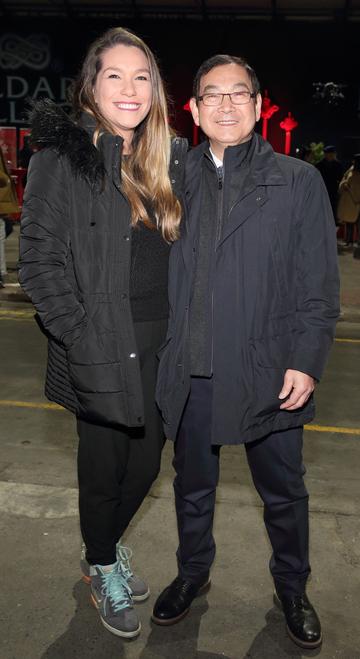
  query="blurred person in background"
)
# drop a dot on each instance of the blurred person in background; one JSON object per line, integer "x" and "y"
{"x": 348, "y": 209}
{"x": 332, "y": 171}
{"x": 8, "y": 206}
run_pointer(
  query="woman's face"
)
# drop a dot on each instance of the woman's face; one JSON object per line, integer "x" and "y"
{"x": 123, "y": 89}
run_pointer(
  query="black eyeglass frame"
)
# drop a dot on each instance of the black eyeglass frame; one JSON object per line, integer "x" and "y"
{"x": 230, "y": 94}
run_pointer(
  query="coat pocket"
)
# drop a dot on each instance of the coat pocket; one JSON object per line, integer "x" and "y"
{"x": 270, "y": 361}
{"x": 96, "y": 378}
{"x": 91, "y": 369}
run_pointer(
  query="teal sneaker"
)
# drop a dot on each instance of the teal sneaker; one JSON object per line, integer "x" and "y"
{"x": 111, "y": 596}
{"x": 140, "y": 591}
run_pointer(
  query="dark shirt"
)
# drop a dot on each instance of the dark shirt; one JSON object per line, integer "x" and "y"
{"x": 148, "y": 274}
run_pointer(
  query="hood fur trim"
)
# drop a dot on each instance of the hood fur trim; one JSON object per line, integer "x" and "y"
{"x": 52, "y": 128}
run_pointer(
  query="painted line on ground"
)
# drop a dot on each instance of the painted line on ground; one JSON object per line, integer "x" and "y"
{"x": 337, "y": 429}
{"x": 17, "y": 320}
{"x": 13, "y": 313}
{"x": 347, "y": 340}
{"x": 54, "y": 406}
{"x": 36, "y": 406}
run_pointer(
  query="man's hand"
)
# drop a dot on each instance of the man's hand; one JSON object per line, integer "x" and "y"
{"x": 299, "y": 385}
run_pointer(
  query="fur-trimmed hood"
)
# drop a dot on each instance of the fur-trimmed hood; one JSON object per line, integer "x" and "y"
{"x": 52, "y": 128}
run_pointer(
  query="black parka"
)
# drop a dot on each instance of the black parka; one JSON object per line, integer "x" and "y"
{"x": 275, "y": 293}
{"x": 75, "y": 251}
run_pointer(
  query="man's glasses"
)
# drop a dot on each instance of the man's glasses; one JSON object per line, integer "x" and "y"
{"x": 237, "y": 98}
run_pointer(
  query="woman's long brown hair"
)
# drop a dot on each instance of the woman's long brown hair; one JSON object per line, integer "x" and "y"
{"x": 144, "y": 173}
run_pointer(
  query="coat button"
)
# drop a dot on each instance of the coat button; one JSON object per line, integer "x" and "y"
{"x": 132, "y": 355}
{"x": 176, "y": 162}
{"x": 126, "y": 238}
{"x": 258, "y": 198}
{"x": 173, "y": 181}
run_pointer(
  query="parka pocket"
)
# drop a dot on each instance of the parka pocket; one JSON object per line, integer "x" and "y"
{"x": 91, "y": 369}
{"x": 96, "y": 378}
{"x": 88, "y": 348}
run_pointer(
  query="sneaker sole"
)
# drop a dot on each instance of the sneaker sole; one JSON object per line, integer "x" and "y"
{"x": 302, "y": 644}
{"x": 172, "y": 621}
{"x": 135, "y": 598}
{"x": 113, "y": 630}
{"x": 140, "y": 598}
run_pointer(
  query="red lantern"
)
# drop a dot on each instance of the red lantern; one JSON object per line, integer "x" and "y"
{"x": 267, "y": 111}
{"x": 288, "y": 124}
{"x": 195, "y": 139}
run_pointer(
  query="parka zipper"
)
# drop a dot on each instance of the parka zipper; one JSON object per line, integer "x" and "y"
{"x": 116, "y": 189}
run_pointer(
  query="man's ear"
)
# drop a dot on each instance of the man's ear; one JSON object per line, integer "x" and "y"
{"x": 258, "y": 104}
{"x": 194, "y": 110}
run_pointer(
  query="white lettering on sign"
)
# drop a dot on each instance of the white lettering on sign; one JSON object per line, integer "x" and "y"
{"x": 14, "y": 90}
{"x": 41, "y": 88}
{"x": 16, "y": 87}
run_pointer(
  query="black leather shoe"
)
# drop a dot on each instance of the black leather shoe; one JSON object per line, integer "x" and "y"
{"x": 174, "y": 602}
{"x": 302, "y": 622}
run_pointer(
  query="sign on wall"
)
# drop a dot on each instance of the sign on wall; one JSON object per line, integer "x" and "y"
{"x": 27, "y": 73}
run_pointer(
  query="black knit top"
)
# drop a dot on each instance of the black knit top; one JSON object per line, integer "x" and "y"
{"x": 148, "y": 274}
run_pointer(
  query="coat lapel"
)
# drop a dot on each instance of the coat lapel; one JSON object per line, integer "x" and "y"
{"x": 243, "y": 209}
{"x": 251, "y": 194}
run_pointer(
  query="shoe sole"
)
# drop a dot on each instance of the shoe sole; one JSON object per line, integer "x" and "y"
{"x": 307, "y": 645}
{"x": 141, "y": 598}
{"x": 113, "y": 630}
{"x": 172, "y": 621}
{"x": 135, "y": 598}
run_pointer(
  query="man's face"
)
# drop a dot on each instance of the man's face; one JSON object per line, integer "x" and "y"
{"x": 226, "y": 124}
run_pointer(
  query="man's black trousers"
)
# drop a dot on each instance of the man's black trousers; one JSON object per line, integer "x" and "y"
{"x": 117, "y": 466}
{"x": 277, "y": 471}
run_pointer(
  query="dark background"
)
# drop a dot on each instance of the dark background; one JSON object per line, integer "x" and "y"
{"x": 287, "y": 56}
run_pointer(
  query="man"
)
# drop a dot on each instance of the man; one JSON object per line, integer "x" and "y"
{"x": 254, "y": 300}
{"x": 332, "y": 172}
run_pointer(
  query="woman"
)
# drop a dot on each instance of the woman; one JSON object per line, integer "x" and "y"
{"x": 348, "y": 209}
{"x": 8, "y": 205}
{"x": 99, "y": 215}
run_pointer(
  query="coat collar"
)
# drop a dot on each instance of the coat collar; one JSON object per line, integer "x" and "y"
{"x": 52, "y": 128}
{"x": 109, "y": 146}
{"x": 264, "y": 169}
{"x": 258, "y": 170}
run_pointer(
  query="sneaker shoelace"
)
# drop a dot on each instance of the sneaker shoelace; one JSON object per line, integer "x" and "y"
{"x": 115, "y": 588}
{"x": 124, "y": 555}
